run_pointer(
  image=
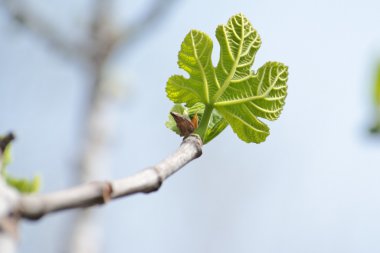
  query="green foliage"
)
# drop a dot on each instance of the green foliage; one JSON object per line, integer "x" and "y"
{"x": 376, "y": 91}
{"x": 21, "y": 184}
{"x": 7, "y": 157}
{"x": 239, "y": 95}
{"x": 216, "y": 124}
{"x": 24, "y": 185}
{"x": 377, "y": 87}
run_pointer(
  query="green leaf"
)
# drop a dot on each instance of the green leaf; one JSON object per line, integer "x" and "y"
{"x": 375, "y": 129}
{"x": 21, "y": 184}
{"x": 239, "y": 95}
{"x": 377, "y": 87}
{"x": 171, "y": 124}
{"x": 7, "y": 158}
{"x": 24, "y": 185}
{"x": 216, "y": 125}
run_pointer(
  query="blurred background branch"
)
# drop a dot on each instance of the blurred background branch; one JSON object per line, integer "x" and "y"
{"x": 14, "y": 206}
{"x": 98, "y": 114}
{"x": 8, "y": 203}
{"x": 133, "y": 32}
{"x": 8, "y": 223}
{"x": 22, "y": 14}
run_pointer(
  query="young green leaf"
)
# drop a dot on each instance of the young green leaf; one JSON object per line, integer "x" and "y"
{"x": 377, "y": 87}
{"x": 7, "y": 158}
{"x": 239, "y": 95}
{"x": 376, "y": 91}
{"x": 216, "y": 125}
{"x": 24, "y": 185}
{"x": 21, "y": 184}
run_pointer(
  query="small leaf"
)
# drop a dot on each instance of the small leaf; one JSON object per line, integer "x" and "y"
{"x": 377, "y": 87}
{"x": 21, "y": 184}
{"x": 375, "y": 129}
{"x": 5, "y": 150}
{"x": 171, "y": 124}
{"x": 24, "y": 185}
{"x": 239, "y": 95}
{"x": 7, "y": 158}
{"x": 216, "y": 125}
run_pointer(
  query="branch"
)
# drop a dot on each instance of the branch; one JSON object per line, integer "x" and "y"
{"x": 145, "y": 181}
{"x": 85, "y": 234}
{"x": 24, "y": 16}
{"x": 8, "y": 202}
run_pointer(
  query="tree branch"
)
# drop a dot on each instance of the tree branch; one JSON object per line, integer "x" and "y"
{"x": 8, "y": 202}
{"x": 102, "y": 40}
{"x": 24, "y": 16}
{"x": 145, "y": 181}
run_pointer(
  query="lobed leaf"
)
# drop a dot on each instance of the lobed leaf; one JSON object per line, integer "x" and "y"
{"x": 239, "y": 95}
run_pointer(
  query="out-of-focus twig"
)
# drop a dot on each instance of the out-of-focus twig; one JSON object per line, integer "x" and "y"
{"x": 99, "y": 125}
{"x": 14, "y": 206}
{"x": 23, "y": 15}
{"x": 94, "y": 51}
{"x": 8, "y": 203}
{"x": 132, "y": 32}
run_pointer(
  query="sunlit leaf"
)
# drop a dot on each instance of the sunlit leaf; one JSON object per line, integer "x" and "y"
{"x": 21, "y": 184}
{"x": 239, "y": 95}
{"x": 7, "y": 158}
{"x": 24, "y": 185}
{"x": 375, "y": 129}
{"x": 377, "y": 87}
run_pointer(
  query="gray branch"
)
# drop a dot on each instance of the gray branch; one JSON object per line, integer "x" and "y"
{"x": 104, "y": 37}
{"x": 8, "y": 222}
{"x": 145, "y": 181}
{"x": 14, "y": 206}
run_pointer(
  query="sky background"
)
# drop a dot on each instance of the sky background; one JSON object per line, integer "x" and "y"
{"x": 313, "y": 186}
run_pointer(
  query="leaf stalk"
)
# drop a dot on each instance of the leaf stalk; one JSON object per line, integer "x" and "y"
{"x": 202, "y": 129}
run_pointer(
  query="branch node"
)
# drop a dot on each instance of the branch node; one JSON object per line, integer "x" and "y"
{"x": 160, "y": 180}
{"x": 107, "y": 191}
{"x": 197, "y": 141}
{"x": 33, "y": 207}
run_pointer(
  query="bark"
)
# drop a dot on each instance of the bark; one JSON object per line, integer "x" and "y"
{"x": 95, "y": 193}
{"x": 14, "y": 206}
{"x": 8, "y": 203}
{"x": 97, "y": 127}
